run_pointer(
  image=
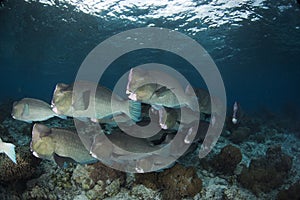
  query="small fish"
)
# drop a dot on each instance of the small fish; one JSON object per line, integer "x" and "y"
{"x": 83, "y": 104}
{"x": 29, "y": 109}
{"x": 9, "y": 150}
{"x": 159, "y": 88}
{"x": 234, "y": 115}
{"x": 58, "y": 145}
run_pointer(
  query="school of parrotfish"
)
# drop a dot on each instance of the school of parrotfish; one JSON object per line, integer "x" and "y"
{"x": 151, "y": 94}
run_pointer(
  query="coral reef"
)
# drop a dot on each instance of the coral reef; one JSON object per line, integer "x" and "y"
{"x": 179, "y": 182}
{"x": 176, "y": 183}
{"x": 143, "y": 192}
{"x": 150, "y": 180}
{"x": 266, "y": 173}
{"x": 224, "y": 174}
{"x": 227, "y": 160}
{"x": 292, "y": 193}
{"x": 55, "y": 184}
{"x": 39, "y": 192}
{"x": 98, "y": 180}
{"x": 5, "y": 109}
{"x": 240, "y": 134}
{"x": 11, "y": 172}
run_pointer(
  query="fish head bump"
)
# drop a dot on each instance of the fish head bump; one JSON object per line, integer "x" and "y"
{"x": 136, "y": 79}
{"x": 41, "y": 144}
{"x": 62, "y": 98}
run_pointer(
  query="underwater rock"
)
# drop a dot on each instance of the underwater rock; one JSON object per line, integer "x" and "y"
{"x": 23, "y": 170}
{"x": 292, "y": 193}
{"x": 227, "y": 160}
{"x": 239, "y": 135}
{"x": 266, "y": 173}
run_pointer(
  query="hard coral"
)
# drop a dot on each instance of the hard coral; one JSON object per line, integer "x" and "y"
{"x": 149, "y": 180}
{"x": 102, "y": 172}
{"x": 227, "y": 160}
{"x": 179, "y": 182}
{"x": 176, "y": 183}
{"x": 99, "y": 180}
{"x": 266, "y": 173}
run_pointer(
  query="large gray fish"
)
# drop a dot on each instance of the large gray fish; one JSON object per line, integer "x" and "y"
{"x": 127, "y": 147}
{"x": 29, "y": 109}
{"x": 81, "y": 104}
{"x": 158, "y": 88}
{"x": 169, "y": 118}
{"x": 58, "y": 145}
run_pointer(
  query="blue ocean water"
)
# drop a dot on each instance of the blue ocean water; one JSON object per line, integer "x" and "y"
{"x": 255, "y": 44}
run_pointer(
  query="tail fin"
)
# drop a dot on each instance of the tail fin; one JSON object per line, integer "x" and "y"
{"x": 135, "y": 110}
{"x": 9, "y": 150}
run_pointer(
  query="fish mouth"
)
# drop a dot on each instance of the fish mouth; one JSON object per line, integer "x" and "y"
{"x": 54, "y": 109}
{"x": 163, "y": 126}
{"x": 35, "y": 154}
{"x": 132, "y": 96}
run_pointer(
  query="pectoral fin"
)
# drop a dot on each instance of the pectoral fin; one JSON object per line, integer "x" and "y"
{"x": 62, "y": 162}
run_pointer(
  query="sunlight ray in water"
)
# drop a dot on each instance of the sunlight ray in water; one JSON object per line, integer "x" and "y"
{"x": 211, "y": 13}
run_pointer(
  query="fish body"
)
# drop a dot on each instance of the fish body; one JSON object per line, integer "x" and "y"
{"x": 203, "y": 100}
{"x": 29, "y": 110}
{"x": 58, "y": 145}
{"x": 83, "y": 104}
{"x": 158, "y": 88}
{"x": 9, "y": 150}
{"x": 172, "y": 118}
{"x": 120, "y": 148}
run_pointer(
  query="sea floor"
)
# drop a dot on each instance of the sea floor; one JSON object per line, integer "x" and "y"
{"x": 257, "y": 159}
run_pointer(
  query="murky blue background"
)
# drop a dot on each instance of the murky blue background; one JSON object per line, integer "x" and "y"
{"x": 255, "y": 44}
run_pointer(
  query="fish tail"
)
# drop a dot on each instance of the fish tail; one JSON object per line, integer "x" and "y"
{"x": 135, "y": 110}
{"x": 9, "y": 150}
